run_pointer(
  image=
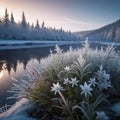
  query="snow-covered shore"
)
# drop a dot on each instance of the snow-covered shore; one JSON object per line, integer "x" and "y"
{"x": 17, "y": 111}
{"x": 20, "y": 44}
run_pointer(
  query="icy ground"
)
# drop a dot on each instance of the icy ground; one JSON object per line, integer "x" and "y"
{"x": 17, "y": 111}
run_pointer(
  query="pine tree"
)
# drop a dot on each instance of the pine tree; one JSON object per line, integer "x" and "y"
{"x": 24, "y": 23}
{"x": 43, "y": 24}
{"x": 32, "y": 26}
{"x": 6, "y": 17}
{"x": 69, "y": 32}
{"x": 12, "y": 19}
{"x": 28, "y": 24}
{"x": 61, "y": 30}
{"x": 37, "y": 24}
{"x": 113, "y": 33}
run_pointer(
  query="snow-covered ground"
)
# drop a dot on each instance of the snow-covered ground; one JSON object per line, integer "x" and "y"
{"x": 17, "y": 111}
{"x": 19, "y": 44}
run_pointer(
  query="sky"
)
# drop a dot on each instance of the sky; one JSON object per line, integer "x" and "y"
{"x": 74, "y": 15}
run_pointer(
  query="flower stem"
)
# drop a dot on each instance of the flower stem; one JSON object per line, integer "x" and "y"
{"x": 63, "y": 98}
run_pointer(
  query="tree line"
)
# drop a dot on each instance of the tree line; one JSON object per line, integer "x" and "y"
{"x": 6, "y": 21}
{"x": 9, "y": 29}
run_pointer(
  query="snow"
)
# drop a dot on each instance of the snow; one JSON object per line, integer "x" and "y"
{"x": 106, "y": 43}
{"x": 10, "y": 42}
{"x": 19, "y": 44}
{"x": 17, "y": 111}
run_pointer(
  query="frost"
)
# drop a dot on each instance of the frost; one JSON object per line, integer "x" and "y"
{"x": 17, "y": 111}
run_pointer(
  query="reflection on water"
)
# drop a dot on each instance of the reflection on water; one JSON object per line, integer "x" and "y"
{"x": 13, "y": 63}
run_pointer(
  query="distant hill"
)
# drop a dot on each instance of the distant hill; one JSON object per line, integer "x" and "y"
{"x": 110, "y": 32}
{"x": 83, "y": 33}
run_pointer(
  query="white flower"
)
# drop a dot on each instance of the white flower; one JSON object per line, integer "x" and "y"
{"x": 101, "y": 74}
{"x": 92, "y": 81}
{"x": 105, "y": 75}
{"x": 102, "y": 116}
{"x": 104, "y": 85}
{"x": 67, "y": 68}
{"x": 86, "y": 89}
{"x": 57, "y": 88}
{"x": 103, "y": 79}
{"x": 66, "y": 81}
{"x": 74, "y": 82}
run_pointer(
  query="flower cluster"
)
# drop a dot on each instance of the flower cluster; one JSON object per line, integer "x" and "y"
{"x": 73, "y": 81}
{"x": 86, "y": 88}
{"x": 102, "y": 77}
{"x": 101, "y": 80}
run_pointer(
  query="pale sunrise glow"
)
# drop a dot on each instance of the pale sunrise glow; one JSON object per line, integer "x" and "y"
{"x": 74, "y": 15}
